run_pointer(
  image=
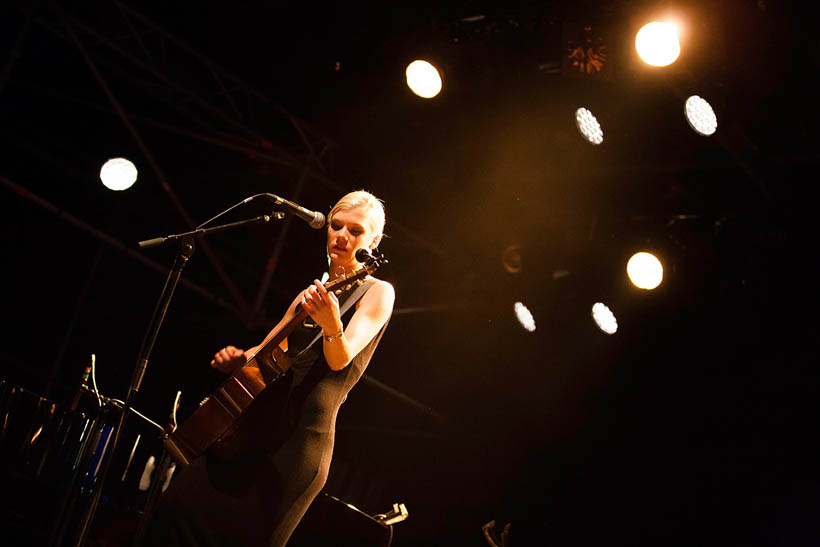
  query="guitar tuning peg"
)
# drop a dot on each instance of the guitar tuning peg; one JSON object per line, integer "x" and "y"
{"x": 359, "y": 281}
{"x": 338, "y": 292}
{"x": 347, "y": 287}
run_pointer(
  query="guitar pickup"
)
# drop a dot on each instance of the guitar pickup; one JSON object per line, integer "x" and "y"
{"x": 273, "y": 364}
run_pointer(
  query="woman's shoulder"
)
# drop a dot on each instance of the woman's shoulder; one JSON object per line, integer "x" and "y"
{"x": 380, "y": 284}
{"x": 381, "y": 291}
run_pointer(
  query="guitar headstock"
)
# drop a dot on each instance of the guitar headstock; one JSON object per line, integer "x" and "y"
{"x": 345, "y": 282}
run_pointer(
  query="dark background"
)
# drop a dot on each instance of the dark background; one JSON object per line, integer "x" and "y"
{"x": 695, "y": 423}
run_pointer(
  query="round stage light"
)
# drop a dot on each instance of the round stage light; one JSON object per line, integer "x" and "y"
{"x": 522, "y": 313}
{"x": 588, "y": 126}
{"x": 657, "y": 44}
{"x": 511, "y": 259}
{"x": 645, "y": 270}
{"x": 118, "y": 174}
{"x": 423, "y": 79}
{"x": 604, "y": 318}
{"x": 700, "y": 116}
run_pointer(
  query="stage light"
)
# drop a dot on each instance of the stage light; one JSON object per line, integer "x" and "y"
{"x": 645, "y": 270}
{"x": 511, "y": 259}
{"x": 524, "y": 317}
{"x": 423, "y": 79}
{"x": 118, "y": 174}
{"x": 588, "y": 126}
{"x": 604, "y": 318}
{"x": 700, "y": 116}
{"x": 657, "y": 44}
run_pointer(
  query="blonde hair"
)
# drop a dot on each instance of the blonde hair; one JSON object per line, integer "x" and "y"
{"x": 373, "y": 206}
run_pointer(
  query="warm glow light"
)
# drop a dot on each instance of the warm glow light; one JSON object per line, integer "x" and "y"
{"x": 604, "y": 318}
{"x": 644, "y": 270}
{"x": 657, "y": 44}
{"x": 700, "y": 116}
{"x": 34, "y": 437}
{"x": 524, "y": 317}
{"x": 588, "y": 126}
{"x": 511, "y": 259}
{"x": 423, "y": 79}
{"x": 118, "y": 174}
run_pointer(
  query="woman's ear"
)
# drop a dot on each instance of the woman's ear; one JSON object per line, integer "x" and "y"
{"x": 375, "y": 242}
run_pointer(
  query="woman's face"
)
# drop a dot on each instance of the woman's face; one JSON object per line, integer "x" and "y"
{"x": 349, "y": 231}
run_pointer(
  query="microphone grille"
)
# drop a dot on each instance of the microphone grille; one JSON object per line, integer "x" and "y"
{"x": 363, "y": 255}
{"x": 318, "y": 220}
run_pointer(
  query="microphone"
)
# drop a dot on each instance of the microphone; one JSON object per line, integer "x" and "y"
{"x": 314, "y": 219}
{"x": 363, "y": 255}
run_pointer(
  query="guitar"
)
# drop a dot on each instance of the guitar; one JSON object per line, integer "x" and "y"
{"x": 219, "y": 414}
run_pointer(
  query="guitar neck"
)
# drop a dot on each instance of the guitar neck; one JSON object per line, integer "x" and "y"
{"x": 337, "y": 286}
{"x": 289, "y": 327}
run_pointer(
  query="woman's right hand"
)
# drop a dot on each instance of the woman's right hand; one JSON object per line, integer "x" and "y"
{"x": 228, "y": 359}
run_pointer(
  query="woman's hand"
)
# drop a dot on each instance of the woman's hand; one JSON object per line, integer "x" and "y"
{"x": 323, "y": 307}
{"x": 228, "y": 359}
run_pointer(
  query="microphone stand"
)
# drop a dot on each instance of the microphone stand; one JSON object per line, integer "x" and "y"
{"x": 186, "y": 250}
{"x": 148, "y": 243}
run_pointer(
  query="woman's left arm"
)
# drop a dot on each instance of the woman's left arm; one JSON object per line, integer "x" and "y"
{"x": 342, "y": 345}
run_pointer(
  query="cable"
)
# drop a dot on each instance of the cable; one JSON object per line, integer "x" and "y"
{"x": 94, "y": 378}
{"x": 174, "y": 412}
{"x": 231, "y": 208}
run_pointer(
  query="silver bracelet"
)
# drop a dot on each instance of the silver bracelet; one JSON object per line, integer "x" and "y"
{"x": 332, "y": 337}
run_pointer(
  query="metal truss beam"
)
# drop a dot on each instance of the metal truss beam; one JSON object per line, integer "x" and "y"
{"x": 215, "y": 262}
{"x": 114, "y": 243}
{"x": 240, "y": 136}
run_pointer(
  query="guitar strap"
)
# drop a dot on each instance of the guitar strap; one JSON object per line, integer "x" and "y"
{"x": 355, "y": 296}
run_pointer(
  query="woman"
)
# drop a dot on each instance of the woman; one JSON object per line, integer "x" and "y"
{"x": 253, "y": 488}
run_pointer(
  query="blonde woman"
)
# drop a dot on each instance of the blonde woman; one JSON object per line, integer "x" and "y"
{"x": 254, "y": 488}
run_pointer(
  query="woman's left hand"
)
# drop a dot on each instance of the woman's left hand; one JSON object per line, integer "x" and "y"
{"x": 322, "y": 306}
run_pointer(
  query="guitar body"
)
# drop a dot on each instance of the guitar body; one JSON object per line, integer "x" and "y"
{"x": 219, "y": 414}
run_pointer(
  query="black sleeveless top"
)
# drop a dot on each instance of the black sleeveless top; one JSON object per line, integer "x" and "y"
{"x": 313, "y": 393}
